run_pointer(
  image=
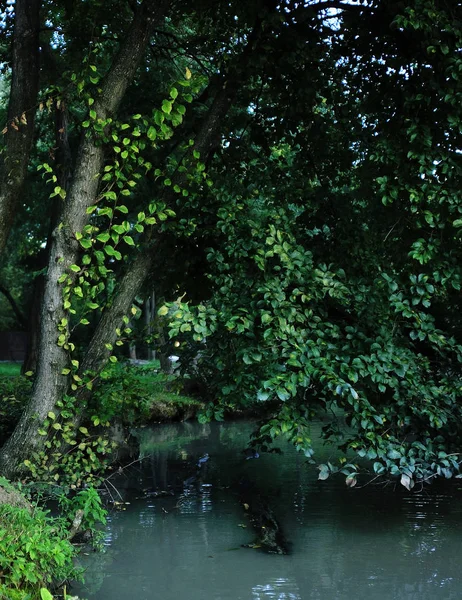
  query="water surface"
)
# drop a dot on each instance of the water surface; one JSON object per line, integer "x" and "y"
{"x": 365, "y": 543}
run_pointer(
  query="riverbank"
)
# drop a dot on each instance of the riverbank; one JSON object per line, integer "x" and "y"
{"x": 36, "y": 548}
{"x": 128, "y": 397}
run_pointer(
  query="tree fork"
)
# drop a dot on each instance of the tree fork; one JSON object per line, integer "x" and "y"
{"x": 50, "y": 385}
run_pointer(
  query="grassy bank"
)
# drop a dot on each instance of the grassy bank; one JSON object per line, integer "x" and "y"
{"x": 10, "y": 369}
{"x": 126, "y": 393}
{"x": 140, "y": 394}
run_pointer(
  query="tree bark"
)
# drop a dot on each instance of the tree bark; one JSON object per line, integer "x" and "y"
{"x": 50, "y": 385}
{"x": 63, "y": 170}
{"x": 21, "y": 111}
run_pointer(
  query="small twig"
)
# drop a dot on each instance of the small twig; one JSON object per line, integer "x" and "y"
{"x": 386, "y": 237}
{"x": 116, "y": 490}
{"x": 122, "y": 469}
{"x": 109, "y": 492}
{"x": 359, "y": 487}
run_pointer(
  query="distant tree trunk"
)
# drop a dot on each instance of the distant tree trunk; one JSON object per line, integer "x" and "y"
{"x": 14, "y": 306}
{"x": 152, "y": 349}
{"x": 149, "y": 313}
{"x": 19, "y": 132}
{"x": 132, "y": 350}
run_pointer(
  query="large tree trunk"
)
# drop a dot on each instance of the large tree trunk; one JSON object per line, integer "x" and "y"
{"x": 50, "y": 385}
{"x": 63, "y": 170}
{"x": 19, "y": 132}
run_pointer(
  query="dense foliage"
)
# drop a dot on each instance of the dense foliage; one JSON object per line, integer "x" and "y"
{"x": 285, "y": 177}
{"x": 34, "y": 552}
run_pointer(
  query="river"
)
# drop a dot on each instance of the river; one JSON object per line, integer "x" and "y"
{"x": 367, "y": 543}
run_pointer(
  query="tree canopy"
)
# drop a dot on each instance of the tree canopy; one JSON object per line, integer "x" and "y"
{"x": 285, "y": 176}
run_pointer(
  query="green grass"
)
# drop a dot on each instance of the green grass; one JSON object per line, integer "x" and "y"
{"x": 10, "y": 369}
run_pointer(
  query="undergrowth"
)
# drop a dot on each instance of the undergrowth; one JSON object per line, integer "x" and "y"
{"x": 130, "y": 393}
{"x": 36, "y": 553}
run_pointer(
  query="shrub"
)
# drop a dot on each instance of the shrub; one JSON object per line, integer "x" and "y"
{"x": 128, "y": 393}
{"x": 34, "y": 552}
{"x": 89, "y": 502}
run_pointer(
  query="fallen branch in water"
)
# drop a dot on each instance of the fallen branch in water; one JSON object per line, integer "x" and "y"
{"x": 270, "y": 537}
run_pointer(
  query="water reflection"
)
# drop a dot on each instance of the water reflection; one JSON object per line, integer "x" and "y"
{"x": 364, "y": 544}
{"x": 279, "y": 589}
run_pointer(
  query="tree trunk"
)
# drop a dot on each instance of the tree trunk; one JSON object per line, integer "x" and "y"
{"x": 50, "y": 385}
{"x": 33, "y": 326}
{"x": 97, "y": 353}
{"x": 63, "y": 170}
{"x": 21, "y": 111}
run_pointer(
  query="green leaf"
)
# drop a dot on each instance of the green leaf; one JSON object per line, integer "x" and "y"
{"x": 85, "y": 243}
{"x": 393, "y": 454}
{"x": 45, "y": 594}
{"x": 282, "y": 394}
{"x": 159, "y": 117}
{"x": 323, "y": 472}
{"x": 167, "y": 106}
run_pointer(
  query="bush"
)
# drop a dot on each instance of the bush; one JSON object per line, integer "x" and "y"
{"x": 129, "y": 393}
{"x": 34, "y": 552}
{"x": 89, "y": 502}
